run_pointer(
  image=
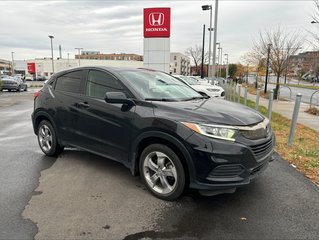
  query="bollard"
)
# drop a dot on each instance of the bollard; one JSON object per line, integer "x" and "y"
{"x": 245, "y": 100}
{"x": 271, "y": 99}
{"x": 257, "y": 99}
{"x": 239, "y": 88}
{"x": 294, "y": 119}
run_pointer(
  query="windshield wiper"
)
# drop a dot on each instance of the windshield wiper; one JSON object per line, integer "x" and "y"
{"x": 160, "y": 99}
{"x": 195, "y": 98}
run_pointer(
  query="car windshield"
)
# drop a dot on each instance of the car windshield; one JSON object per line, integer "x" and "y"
{"x": 189, "y": 80}
{"x": 158, "y": 86}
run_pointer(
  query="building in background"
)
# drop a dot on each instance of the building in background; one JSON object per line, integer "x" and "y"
{"x": 304, "y": 64}
{"x": 5, "y": 66}
{"x": 179, "y": 64}
{"x": 95, "y": 55}
{"x": 43, "y": 67}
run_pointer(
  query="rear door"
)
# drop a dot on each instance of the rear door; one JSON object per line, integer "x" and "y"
{"x": 68, "y": 92}
{"x": 105, "y": 128}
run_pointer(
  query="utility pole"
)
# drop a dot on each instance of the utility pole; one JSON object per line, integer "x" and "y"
{"x": 68, "y": 59}
{"x": 60, "y": 50}
{"x": 79, "y": 51}
{"x": 51, "y": 37}
{"x": 215, "y": 40}
{"x": 12, "y": 68}
{"x": 221, "y": 62}
{"x": 227, "y": 69}
{"x": 267, "y": 68}
{"x": 203, "y": 53}
{"x": 218, "y": 57}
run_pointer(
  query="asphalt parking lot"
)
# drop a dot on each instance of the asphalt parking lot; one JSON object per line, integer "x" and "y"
{"x": 82, "y": 196}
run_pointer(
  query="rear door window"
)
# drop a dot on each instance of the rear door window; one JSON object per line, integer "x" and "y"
{"x": 70, "y": 82}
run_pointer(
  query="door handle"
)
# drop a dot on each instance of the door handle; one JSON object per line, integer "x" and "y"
{"x": 83, "y": 105}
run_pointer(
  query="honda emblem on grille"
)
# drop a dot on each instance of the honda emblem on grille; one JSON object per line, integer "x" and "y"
{"x": 156, "y": 19}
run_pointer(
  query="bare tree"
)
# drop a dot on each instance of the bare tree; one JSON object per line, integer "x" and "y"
{"x": 195, "y": 53}
{"x": 283, "y": 45}
{"x": 315, "y": 18}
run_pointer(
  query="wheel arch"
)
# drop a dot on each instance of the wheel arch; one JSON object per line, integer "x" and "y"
{"x": 40, "y": 116}
{"x": 152, "y": 137}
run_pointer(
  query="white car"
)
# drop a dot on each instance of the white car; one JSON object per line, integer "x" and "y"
{"x": 201, "y": 87}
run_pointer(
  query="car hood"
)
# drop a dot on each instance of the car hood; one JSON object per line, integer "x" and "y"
{"x": 208, "y": 111}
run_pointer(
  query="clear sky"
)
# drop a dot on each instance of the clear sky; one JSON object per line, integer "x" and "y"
{"x": 116, "y": 26}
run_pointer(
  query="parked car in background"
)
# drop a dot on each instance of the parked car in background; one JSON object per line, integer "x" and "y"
{"x": 29, "y": 77}
{"x": 203, "y": 88}
{"x": 13, "y": 83}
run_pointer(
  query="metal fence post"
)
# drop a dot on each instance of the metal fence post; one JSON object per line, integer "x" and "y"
{"x": 239, "y": 90}
{"x": 245, "y": 100}
{"x": 257, "y": 99}
{"x": 271, "y": 99}
{"x": 294, "y": 119}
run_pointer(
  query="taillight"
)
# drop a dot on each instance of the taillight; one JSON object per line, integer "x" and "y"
{"x": 36, "y": 94}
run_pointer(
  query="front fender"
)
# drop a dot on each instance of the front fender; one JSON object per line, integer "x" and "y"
{"x": 164, "y": 136}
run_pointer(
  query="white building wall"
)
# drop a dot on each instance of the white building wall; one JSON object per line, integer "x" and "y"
{"x": 179, "y": 64}
{"x": 157, "y": 53}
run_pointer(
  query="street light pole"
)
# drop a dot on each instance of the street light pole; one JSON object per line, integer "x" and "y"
{"x": 267, "y": 68}
{"x": 214, "y": 42}
{"x": 209, "y": 7}
{"x": 217, "y": 66}
{"x": 226, "y": 54}
{"x": 221, "y": 62}
{"x": 79, "y": 49}
{"x": 51, "y": 37}
{"x": 12, "y": 69}
{"x": 203, "y": 53}
{"x": 68, "y": 59}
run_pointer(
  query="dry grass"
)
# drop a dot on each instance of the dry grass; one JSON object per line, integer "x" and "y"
{"x": 313, "y": 111}
{"x": 304, "y": 153}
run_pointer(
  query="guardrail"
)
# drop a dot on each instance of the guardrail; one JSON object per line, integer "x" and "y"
{"x": 278, "y": 95}
{"x": 315, "y": 92}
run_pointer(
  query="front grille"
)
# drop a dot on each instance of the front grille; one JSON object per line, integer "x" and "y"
{"x": 262, "y": 149}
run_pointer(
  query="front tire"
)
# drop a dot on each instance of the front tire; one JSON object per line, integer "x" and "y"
{"x": 47, "y": 139}
{"x": 162, "y": 172}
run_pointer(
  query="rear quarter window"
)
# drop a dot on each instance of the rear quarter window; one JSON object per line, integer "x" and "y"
{"x": 69, "y": 82}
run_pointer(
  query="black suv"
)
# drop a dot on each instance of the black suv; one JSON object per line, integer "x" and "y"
{"x": 156, "y": 126}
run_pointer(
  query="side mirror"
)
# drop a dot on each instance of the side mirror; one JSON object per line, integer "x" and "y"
{"x": 117, "y": 97}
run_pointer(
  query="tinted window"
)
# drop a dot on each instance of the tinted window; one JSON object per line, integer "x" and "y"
{"x": 100, "y": 82}
{"x": 70, "y": 82}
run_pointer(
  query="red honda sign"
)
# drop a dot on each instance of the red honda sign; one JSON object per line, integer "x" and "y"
{"x": 157, "y": 22}
{"x": 31, "y": 68}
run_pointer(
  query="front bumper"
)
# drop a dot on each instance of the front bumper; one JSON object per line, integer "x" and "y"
{"x": 223, "y": 164}
{"x": 9, "y": 86}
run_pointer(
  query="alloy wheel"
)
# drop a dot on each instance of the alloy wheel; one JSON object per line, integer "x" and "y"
{"x": 160, "y": 173}
{"x": 45, "y": 138}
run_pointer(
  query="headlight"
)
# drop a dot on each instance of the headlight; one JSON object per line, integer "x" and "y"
{"x": 214, "y": 131}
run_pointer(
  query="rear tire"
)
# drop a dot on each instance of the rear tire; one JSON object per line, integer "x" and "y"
{"x": 162, "y": 172}
{"x": 47, "y": 139}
